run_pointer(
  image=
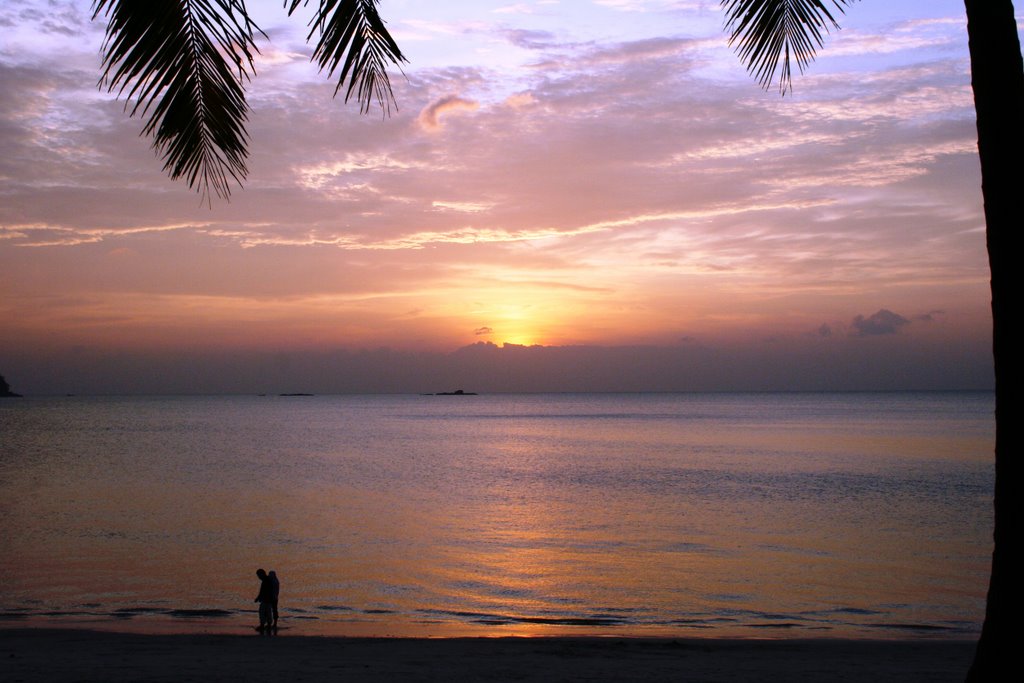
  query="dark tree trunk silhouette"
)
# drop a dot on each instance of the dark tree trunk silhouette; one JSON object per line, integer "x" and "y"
{"x": 997, "y": 75}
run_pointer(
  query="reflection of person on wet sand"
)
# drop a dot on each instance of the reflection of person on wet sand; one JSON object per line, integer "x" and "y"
{"x": 276, "y": 592}
{"x": 266, "y": 600}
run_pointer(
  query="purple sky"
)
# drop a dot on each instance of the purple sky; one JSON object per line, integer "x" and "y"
{"x": 601, "y": 179}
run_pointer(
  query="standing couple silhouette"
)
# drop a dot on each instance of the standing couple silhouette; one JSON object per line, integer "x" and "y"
{"x": 270, "y": 589}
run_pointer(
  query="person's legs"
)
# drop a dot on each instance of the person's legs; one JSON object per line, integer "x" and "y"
{"x": 266, "y": 615}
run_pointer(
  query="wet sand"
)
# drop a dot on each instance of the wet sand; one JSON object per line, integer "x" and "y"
{"x": 46, "y": 654}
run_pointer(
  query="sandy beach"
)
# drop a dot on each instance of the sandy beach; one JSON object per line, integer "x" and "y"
{"x": 38, "y": 654}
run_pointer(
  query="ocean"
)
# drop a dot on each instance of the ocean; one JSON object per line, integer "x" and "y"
{"x": 852, "y": 515}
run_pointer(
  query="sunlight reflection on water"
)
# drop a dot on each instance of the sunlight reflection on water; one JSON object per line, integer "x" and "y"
{"x": 837, "y": 514}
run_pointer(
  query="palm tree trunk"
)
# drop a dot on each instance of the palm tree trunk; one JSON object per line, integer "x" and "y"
{"x": 997, "y": 75}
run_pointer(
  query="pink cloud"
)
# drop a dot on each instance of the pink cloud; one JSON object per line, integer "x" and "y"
{"x": 430, "y": 117}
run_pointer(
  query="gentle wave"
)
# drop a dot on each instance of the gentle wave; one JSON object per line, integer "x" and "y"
{"x": 856, "y": 515}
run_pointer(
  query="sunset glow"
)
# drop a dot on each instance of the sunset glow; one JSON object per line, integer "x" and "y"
{"x": 559, "y": 174}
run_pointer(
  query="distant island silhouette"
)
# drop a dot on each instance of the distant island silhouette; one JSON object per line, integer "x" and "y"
{"x": 5, "y": 389}
{"x": 295, "y": 394}
{"x": 457, "y": 392}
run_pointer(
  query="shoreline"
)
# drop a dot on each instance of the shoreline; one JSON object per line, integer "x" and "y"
{"x": 215, "y": 621}
{"x": 75, "y": 654}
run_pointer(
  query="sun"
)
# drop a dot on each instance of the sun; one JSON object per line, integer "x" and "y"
{"x": 520, "y": 315}
{"x": 522, "y": 339}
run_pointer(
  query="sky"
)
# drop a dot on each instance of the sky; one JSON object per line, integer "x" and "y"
{"x": 572, "y": 195}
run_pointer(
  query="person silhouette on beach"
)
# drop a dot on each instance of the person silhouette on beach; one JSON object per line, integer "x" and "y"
{"x": 266, "y": 600}
{"x": 276, "y": 592}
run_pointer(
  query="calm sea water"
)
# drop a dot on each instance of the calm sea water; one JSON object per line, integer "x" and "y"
{"x": 855, "y": 515}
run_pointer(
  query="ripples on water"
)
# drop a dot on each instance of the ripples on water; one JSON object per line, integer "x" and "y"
{"x": 640, "y": 514}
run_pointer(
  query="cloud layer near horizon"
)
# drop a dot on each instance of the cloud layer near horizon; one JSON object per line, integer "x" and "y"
{"x": 558, "y": 173}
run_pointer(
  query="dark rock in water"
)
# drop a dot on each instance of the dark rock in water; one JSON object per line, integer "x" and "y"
{"x": 457, "y": 392}
{"x": 5, "y": 389}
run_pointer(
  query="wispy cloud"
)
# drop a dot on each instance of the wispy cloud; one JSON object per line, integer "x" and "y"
{"x": 597, "y": 173}
{"x": 430, "y": 117}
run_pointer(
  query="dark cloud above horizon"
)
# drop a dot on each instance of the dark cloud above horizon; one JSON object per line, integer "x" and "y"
{"x": 883, "y": 321}
{"x": 491, "y": 368}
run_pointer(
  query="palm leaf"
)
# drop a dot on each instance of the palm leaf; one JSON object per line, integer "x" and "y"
{"x": 353, "y": 35}
{"x": 182, "y": 62}
{"x": 767, "y": 32}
